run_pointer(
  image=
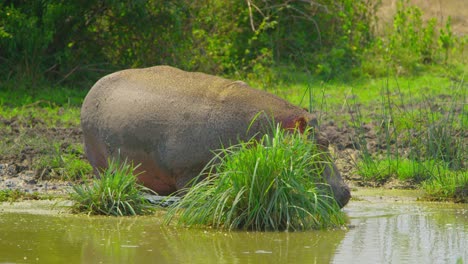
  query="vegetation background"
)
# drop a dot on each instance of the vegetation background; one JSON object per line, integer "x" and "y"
{"x": 74, "y": 43}
{"x": 336, "y": 57}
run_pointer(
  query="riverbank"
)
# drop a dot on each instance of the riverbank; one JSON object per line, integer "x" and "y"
{"x": 58, "y": 204}
{"x": 386, "y": 133}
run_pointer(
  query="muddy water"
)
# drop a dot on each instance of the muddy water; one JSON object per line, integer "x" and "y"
{"x": 401, "y": 232}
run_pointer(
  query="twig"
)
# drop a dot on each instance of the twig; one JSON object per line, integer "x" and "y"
{"x": 249, "y": 4}
{"x": 68, "y": 74}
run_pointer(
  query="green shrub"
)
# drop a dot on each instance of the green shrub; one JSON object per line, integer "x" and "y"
{"x": 411, "y": 45}
{"x": 115, "y": 193}
{"x": 71, "y": 42}
{"x": 274, "y": 183}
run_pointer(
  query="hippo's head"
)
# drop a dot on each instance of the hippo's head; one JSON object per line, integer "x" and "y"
{"x": 332, "y": 176}
{"x": 340, "y": 190}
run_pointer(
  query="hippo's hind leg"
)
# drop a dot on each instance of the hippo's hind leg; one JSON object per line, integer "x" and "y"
{"x": 96, "y": 154}
{"x": 187, "y": 179}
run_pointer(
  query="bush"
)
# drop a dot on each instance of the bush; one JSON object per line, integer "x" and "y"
{"x": 67, "y": 41}
{"x": 115, "y": 193}
{"x": 274, "y": 183}
{"x": 412, "y": 45}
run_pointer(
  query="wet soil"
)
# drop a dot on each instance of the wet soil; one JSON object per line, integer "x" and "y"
{"x": 25, "y": 141}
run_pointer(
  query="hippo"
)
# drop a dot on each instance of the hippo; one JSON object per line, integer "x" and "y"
{"x": 169, "y": 121}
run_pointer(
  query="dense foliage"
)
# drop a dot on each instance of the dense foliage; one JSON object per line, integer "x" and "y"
{"x": 75, "y": 41}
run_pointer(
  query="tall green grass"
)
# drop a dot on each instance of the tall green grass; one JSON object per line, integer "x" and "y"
{"x": 115, "y": 193}
{"x": 421, "y": 139}
{"x": 274, "y": 183}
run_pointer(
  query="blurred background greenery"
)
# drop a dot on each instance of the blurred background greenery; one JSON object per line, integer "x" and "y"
{"x": 74, "y": 43}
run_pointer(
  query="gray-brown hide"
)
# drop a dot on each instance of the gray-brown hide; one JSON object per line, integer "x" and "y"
{"x": 170, "y": 120}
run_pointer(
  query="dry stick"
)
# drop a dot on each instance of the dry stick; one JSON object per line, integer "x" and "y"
{"x": 250, "y": 15}
{"x": 68, "y": 74}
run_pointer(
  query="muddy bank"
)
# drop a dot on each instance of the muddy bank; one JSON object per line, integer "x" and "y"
{"x": 38, "y": 207}
{"x": 62, "y": 206}
{"x": 28, "y": 144}
{"x": 20, "y": 168}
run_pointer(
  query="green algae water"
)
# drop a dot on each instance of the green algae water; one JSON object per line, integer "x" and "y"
{"x": 379, "y": 232}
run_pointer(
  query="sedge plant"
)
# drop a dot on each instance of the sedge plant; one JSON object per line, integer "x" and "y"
{"x": 115, "y": 193}
{"x": 271, "y": 183}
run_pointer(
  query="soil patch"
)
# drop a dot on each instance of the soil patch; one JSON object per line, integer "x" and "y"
{"x": 25, "y": 142}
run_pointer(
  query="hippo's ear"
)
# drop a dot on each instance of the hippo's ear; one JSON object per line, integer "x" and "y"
{"x": 300, "y": 124}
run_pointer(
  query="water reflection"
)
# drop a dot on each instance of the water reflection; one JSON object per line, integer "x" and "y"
{"x": 254, "y": 247}
{"x": 383, "y": 233}
{"x": 51, "y": 239}
{"x": 405, "y": 233}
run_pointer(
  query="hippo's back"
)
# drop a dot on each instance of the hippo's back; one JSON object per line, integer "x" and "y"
{"x": 159, "y": 110}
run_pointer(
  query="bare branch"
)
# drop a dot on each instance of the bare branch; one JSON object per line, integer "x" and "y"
{"x": 249, "y": 4}
{"x": 312, "y": 3}
{"x": 310, "y": 18}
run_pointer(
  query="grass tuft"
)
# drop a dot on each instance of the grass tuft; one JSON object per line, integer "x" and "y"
{"x": 115, "y": 193}
{"x": 402, "y": 169}
{"x": 14, "y": 195}
{"x": 274, "y": 183}
{"x": 448, "y": 186}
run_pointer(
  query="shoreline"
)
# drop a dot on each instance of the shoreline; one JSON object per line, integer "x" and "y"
{"x": 59, "y": 205}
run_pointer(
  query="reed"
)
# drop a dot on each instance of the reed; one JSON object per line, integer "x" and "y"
{"x": 422, "y": 140}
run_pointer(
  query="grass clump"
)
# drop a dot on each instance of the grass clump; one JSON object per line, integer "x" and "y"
{"x": 63, "y": 163}
{"x": 15, "y": 195}
{"x": 381, "y": 170}
{"x": 448, "y": 186}
{"x": 274, "y": 183}
{"x": 115, "y": 193}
